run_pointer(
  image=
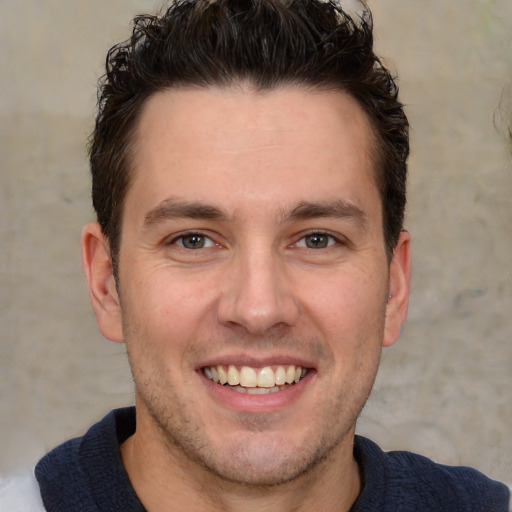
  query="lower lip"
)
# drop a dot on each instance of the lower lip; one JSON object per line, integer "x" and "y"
{"x": 269, "y": 402}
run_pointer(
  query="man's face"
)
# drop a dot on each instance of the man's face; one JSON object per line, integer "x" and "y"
{"x": 252, "y": 250}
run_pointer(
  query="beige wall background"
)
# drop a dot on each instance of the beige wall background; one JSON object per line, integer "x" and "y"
{"x": 445, "y": 389}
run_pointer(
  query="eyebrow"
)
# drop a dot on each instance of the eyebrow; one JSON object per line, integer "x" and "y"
{"x": 338, "y": 209}
{"x": 173, "y": 208}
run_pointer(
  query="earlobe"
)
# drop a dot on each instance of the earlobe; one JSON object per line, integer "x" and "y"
{"x": 399, "y": 288}
{"x": 97, "y": 265}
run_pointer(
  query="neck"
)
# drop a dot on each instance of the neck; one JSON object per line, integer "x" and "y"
{"x": 165, "y": 479}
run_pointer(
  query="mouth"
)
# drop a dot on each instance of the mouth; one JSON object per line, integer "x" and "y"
{"x": 255, "y": 381}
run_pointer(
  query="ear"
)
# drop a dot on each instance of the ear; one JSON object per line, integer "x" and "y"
{"x": 97, "y": 265}
{"x": 399, "y": 288}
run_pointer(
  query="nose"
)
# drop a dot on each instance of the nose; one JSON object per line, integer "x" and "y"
{"x": 257, "y": 293}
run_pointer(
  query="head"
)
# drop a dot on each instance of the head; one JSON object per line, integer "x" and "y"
{"x": 249, "y": 174}
{"x": 263, "y": 43}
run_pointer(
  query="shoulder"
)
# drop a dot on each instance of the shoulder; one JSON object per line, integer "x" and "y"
{"x": 411, "y": 480}
{"x": 20, "y": 494}
{"x": 87, "y": 472}
{"x": 463, "y": 486}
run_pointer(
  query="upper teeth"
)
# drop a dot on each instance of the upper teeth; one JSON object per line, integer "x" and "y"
{"x": 249, "y": 377}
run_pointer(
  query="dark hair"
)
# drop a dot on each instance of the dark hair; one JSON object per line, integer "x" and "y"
{"x": 266, "y": 43}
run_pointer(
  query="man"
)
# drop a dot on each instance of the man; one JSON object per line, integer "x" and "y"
{"x": 249, "y": 168}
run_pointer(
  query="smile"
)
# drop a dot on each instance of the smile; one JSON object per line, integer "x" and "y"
{"x": 255, "y": 381}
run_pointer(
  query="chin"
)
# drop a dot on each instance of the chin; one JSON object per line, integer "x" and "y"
{"x": 265, "y": 462}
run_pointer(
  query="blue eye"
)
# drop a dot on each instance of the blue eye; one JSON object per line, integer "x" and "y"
{"x": 194, "y": 241}
{"x": 316, "y": 241}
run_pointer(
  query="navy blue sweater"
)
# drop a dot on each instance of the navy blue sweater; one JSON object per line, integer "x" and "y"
{"x": 87, "y": 475}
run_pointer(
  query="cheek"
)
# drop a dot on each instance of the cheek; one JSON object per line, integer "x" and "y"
{"x": 167, "y": 298}
{"x": 163, "y": 318}
{"x": 347, "y": 303}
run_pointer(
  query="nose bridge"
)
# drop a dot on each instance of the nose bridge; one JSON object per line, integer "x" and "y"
{"x": 257, "y": 294}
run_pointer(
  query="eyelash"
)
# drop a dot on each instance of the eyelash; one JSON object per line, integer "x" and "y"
{"x": 332, "y": 240}
{"x": 180, "y": 238}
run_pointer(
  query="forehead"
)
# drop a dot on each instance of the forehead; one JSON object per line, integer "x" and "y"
{"x": 220, "y": 144}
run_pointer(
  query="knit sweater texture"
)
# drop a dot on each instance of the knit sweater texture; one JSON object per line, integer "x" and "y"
{"x": 87, "y": 475}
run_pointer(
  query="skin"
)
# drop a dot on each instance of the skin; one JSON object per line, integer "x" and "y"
{"x": 290, "y": 268}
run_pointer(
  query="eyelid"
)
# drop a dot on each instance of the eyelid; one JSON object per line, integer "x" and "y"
{"x": 338, "y": 239}
{"x": 173, "y": 239}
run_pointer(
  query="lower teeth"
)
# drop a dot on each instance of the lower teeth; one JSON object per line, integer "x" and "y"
{"x": 255, "y": 391}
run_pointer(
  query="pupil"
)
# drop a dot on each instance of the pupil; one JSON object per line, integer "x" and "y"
{"x": 193, "y": 241}
{"x": 316, "y": 241}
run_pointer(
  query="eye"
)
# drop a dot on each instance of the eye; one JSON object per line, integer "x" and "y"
{"x": 316, "y": 241}
{"x": 194, "y": 241}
